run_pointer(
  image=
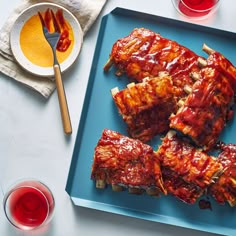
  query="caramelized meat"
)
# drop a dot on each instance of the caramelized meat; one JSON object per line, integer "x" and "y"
{"x": 146, "y": 106}
{"x": 224, "y": 190}
{"x": 223, "y": 65}
{"x": 179, "y": 188}
{"x": 187, "y": 171}
{"x": 125, "y": 162}
{"x": 145, "y": 53}
{"x": 206, "y": 109}
{"x": 169, "y": 75}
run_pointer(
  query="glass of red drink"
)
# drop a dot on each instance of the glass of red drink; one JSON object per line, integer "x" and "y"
{"x": 29, "y": 204}
{"x": 196, "y": 8}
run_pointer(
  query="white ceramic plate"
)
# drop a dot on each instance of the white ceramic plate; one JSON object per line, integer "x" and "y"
{"x": 15, "y": 39}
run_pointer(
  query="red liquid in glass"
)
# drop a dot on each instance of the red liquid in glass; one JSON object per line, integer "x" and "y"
{"x": 28, "y": 207}
{"x": 196, "y": 8}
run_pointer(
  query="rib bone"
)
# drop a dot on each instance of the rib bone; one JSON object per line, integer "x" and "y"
{"x": 100, "y": 183}
{"x": 207, "y": 49}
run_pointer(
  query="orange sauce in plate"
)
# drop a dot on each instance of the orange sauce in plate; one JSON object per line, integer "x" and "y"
{"x": 35, "y": 47}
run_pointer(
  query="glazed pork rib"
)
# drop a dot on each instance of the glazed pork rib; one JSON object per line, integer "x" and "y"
{"x": 146, "y": 106}
{"x": 177, "y": 187}
{"x": 208, "y": 107}
{"x": 222, "y": 64}
{"x": 126, "y": 163}
{"x": 145, "y": 53}
{"x": 224, "y": 190}
{"x": 187, "y": 172}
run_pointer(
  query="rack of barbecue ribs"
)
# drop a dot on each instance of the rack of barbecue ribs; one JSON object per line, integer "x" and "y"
{"x": 126, "y": 163}
{"x": 224, "y": 190}
{"x": 187, "y": 172}
{"x": 146, "y": 109}
{"x": 146, "y": 106}
{"x": 175, "y": 92}
{"x": 144, "y": 53}
{"x": 206, "y": 109}
{"x": 223, "y": 65}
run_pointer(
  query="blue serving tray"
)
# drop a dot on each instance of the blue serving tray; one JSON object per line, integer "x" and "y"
{"x": 99, "y": 112}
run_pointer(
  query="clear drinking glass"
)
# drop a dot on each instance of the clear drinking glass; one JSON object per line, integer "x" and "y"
{"x": 197, "y": 9}
{"x": 29, "y": 204}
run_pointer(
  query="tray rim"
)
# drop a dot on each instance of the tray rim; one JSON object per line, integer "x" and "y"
{"x": 116, "y": 209}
